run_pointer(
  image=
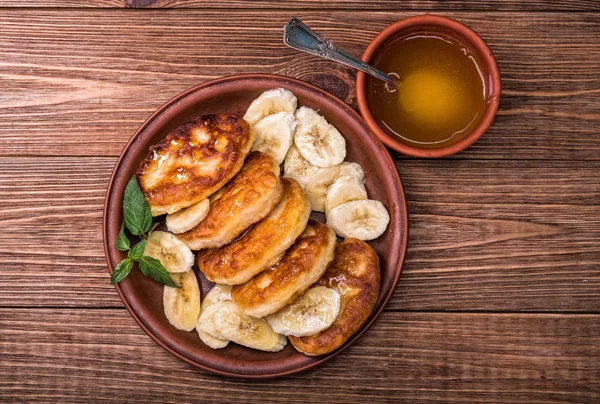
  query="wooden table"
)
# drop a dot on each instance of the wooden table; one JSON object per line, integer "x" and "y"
{"x": 499, "y": 300}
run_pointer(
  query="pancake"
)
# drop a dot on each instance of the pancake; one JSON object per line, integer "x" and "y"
{"x": 354, "y": 273}
{"x": 243, "y": 201}
{"x": 301, "y": 266}
{"x": 263, "y": 244}
{"x": 194, "y": 161}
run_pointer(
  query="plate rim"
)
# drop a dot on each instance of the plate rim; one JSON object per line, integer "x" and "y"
{"x": 387, "y": 160}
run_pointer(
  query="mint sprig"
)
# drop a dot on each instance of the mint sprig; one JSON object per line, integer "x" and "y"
{"x": 138, "y": 218}
{"x": 121, "y": 270}
{"x": 137, "y": 251}
{"x": 122, "y": 243}
{"x": 138, "y": 221}
{"x": 153, "y": 268}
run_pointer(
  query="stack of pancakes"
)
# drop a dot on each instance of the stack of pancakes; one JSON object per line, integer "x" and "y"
{"x": 257, "y": 235}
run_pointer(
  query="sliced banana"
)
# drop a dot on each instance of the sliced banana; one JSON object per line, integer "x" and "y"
{"x": 172, "y": 253}
{"x": 318, "y": 186}
{"x": 345, "y": 189}
{"x": 271, "y": 102}
{"x": 275, "y": 134}
{"x": 317, "y": 140}
{"x": 364, "y": 220}
{"x": 206, "y": 323}
{"x": 206, "y": 326}
{"x": 182, "y": 305}
{"x": 308, "y": 315}
{"x": 296, "y": 167}
{"x": 218, "y": 293}
{"x": 353, "y": 169}
{"x": 212, "y": 342}
{"x": 188, "y": 218}
{"x": 248, "y": 331}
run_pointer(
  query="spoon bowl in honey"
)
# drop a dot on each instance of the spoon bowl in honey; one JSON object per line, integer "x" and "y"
{"x": 447, "y": 91}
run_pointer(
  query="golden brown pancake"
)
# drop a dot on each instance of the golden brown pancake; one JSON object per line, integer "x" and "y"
{"x": 354, "y": 273}
{"x": 301, "y": 266}
{"x": 243, "y": 201}
{"x": 263, "y": 244}
{"x": 194, "y": 161}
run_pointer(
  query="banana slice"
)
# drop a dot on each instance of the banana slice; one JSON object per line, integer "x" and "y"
{"x": 308, "y": 315}
{"x": 271, "y": 102}
{"x": 345, "y": 189}
{"x": 364, "y": 220}
{"x": 317, "y": 140}
{"x": 182, "y": 305}
{"x": 318, "y": 186}
{"x": 218, "y": 293}
{"x": 212, "y": 342}
{"x": 206, "y": 326}
{"x": 296, "y": 167}
{"x": 248, "y": 331}
{"x": 188, "y": 218}
{"x": 172, "y": 253}
{"x": 353, "y": 169}
{"x": 275, "y": 134}
{"x": 206, "y": 323}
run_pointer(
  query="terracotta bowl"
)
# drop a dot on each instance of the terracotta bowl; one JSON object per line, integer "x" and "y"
{"x": 143, "y": 297}
{"x": 463, "y": 34}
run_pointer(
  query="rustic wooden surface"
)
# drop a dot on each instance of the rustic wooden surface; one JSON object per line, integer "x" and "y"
{"x": 435, "y": 5}
{"x": 499, "y": 300}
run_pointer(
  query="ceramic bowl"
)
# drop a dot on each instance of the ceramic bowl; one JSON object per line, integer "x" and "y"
{"x": 464, "y": 35}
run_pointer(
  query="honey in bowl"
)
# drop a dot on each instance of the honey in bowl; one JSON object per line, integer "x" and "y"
{"x": 441, "y": 92}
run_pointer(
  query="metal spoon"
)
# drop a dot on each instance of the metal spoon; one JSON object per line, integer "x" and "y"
{"x": 299, "y": 36}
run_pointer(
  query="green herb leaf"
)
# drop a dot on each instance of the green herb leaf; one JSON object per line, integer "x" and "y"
{"x": 122, "y": 243}
{"x": 137, "y": 251}
{"x": 153, "y": 268}
{"x": 138, "y": 218}
{"x": 121, "y": 271}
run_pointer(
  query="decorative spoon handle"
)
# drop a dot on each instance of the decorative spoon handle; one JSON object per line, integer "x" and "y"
{"x": 299, "y": 36}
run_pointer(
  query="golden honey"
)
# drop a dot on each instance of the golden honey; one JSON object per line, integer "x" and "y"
{"x": 441, "y": 94}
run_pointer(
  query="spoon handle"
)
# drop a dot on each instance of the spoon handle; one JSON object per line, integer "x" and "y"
{"x": 299, "y": 36}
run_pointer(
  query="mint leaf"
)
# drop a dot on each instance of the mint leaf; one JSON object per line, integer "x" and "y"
{"x": 153, "y": 268}
{"x": 122, "y": 243}
{"x": 136, "y": 211}
{"x": 137, "y": 251}
{"x": 121, "y": 271}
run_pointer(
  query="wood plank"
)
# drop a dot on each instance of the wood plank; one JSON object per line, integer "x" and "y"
{"x": 471, "y": 5}
{"x": 80, "y": 83}
{"x": 72, "y": 356}
{"x": 64, "y": 3}
{"x": 500, "y": 236}
{"x": 52, "y": 214}
{"x": 514, "y": 236}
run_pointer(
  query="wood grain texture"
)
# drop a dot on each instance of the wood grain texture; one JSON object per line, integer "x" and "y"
{"x": 516, "y": 236}
{"x": 64, "y": 3}
{"x": 511, "y": 225}
{"x": 486, "y": 5}
{"x": 80, "y": 82}
{"x": 73, "y": 356}
{"x": 500, "y": 236}
{"x": 52, "y": 216}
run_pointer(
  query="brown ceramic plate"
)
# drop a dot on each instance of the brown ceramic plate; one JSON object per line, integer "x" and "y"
{"x": 143, "y": 297}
